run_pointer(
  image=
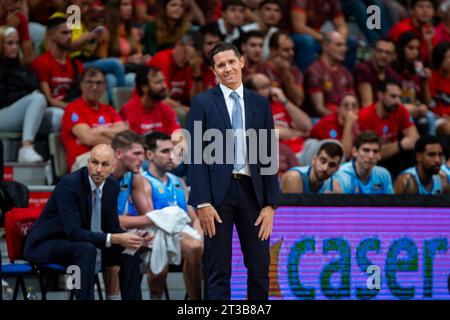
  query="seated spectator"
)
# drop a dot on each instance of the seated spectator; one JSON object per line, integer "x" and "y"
{"x": 425, "y": 177}
{"x": 307, "y": 18}
{"x": 443, "y": 29}
{"x": 327, "y": 78}
{"x": 281, "y": 70}
{"x": 85, "y": 42}
{"x": 252, "y": 49}
{"x": 165, "y": 190}
{"x": 88, "y": 122}
{"x": 57, "y": 73}
{"x": 369, "y": 74}
{"x": 362, "y": 175}
{"x": 414, "y": 78}
{"x": 146, "y": 112}
{"x": 358, "y": 10}
{"x": 11, "y": 16}
{"x": 181, "y": 67}
{"x": 231, "y": 21}
{"x": 419, "y": 22}
{"x": 121, "y": 40}
{"x": 390, "y": 120}
{"x": 169, "y": 26}
{"x": 293, "y": 124}
{"x": 209, "y": 35}
{"x": 268, "y": 19}
{"x": 340, "y": 125}
{"x": 317, "y": 177}
{"x": 440, "y": 87}
{"x": 22, "y": 106}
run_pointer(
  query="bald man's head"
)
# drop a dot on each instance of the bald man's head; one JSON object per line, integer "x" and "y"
{"x": 100, "y": 163}
{"x": 334, "y": 46}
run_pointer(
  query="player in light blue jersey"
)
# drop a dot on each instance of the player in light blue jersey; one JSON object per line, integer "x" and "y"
{"x": 425, "y": 177}
{"x": 166, "y": 189}
{"x": 361, "y": 175}
{"x": 445, "y": 169}
{"x": 317, "y": 177}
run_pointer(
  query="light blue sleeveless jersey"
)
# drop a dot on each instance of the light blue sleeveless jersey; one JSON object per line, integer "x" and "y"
{"x": 379, "y": 181}
{"x": 170, "y": 194}
{"x": 436, "y": 182}
{"x": 327, "y": 185}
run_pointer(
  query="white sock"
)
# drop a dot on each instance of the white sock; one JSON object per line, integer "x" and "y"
{"x": 113, "y": 297}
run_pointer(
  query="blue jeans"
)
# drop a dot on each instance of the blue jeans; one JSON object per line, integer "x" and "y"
{"x": 307, "y": 49}
{"x": 358, "y": 9}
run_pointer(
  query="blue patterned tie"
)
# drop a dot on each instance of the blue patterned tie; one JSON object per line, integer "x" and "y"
{"x": 96, "y": 225}
{"x": 239, "y": 134}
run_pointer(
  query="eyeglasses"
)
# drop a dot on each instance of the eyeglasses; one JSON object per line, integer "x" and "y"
{"x": 91, "y": 83}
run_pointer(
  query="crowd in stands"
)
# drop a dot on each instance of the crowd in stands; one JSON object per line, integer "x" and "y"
{"x": 300, "y": 54}
{"x": 347, "y": 123}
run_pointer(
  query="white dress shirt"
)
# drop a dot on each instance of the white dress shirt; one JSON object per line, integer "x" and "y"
{"x": 93, "y": 187}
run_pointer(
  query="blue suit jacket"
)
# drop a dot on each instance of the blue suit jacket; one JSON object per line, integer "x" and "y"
{"x": 209, "y": 183}
{"x": 67, "y": 215}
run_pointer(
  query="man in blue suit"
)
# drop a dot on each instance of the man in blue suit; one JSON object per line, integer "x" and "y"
{"x": 80, "y": 226}
{"x": 233, "y": 185}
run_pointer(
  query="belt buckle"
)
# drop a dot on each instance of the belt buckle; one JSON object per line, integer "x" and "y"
{"x": 237, "y": 175}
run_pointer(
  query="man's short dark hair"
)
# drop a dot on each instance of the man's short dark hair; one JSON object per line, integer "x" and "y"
{"x": 228, "y": 3}
{"x": 264, "y": 2}
{"x": 332, "y": 148}
{"x": 438, "y": 54}
{"x": 152, "y": 138}
{"x": 388, "y": 82}
{"x": 91, "y": 72}
{"x": 55, "y": 22}
{"x": 142, "y": 77}
{"x": 384, "y": 39}
{"x": 423, "y": 141}
{"x": 252, "y": 34}
{"x": 367, "y": 136}
{"x": 221, "y": 47}
{"x": 414, "y": 2}
{"x": 125, "y": 139}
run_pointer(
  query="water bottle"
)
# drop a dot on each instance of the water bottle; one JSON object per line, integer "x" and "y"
{"x": 31, "y": 294}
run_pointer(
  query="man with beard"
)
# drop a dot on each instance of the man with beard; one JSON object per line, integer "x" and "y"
{"x": 390, "y": 120}
{"x": 146, "y": 112}
{"x": 425, "y": 177}
{"x": 166, "y": 189}
{"x": 56, "y": 71}
{"x": 317, "y": 177}
{"x": 88, "y": 122}
{"x": 369, "y": 74}
{"x": 362, "y": 175}
{"x": 209, "y": 35}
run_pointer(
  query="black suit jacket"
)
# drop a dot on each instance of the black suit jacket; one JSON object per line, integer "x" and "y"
{"x": 209, "y": 183}
{"x": 67, "y": 215}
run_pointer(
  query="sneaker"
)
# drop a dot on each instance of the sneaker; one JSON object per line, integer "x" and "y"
{"x": 29, "y": 155}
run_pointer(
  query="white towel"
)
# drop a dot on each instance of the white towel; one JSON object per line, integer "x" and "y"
{"x": 169, "y": 223}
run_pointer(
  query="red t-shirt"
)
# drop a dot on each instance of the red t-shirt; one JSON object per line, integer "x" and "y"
{"x": 209, "y": 79}
{"x": 282, "y": 118}
{"x": 407, "y": 25}
{"x": 317, "y": 11}
{"x": 178, "y": 80}
{"x": 79, "y": 112}
{"x": 320, "y": 78}
{"x": 327, "y": 128}
{"x": 390, "y": 128}
{"x": 58, "y": 76}
{"x": 440, "y": 92}
{"x": 142, "y": 120}
{"x": 22, "y": 28}
{"x": 275, "y": 76}
{"x": 442, "y": 33}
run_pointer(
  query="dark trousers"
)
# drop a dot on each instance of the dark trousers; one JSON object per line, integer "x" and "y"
{"x": 83, "y": 255}
{"x": 240, "y": 207}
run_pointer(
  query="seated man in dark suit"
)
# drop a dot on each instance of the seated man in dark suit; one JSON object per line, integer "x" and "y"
{"x": 80, "y": 226}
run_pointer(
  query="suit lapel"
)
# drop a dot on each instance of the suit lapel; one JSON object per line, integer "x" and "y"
{"x": 221, "y": 105}
{"x": 87, "y": 192}
{"x": 249, "y": 109}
